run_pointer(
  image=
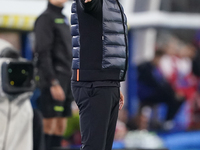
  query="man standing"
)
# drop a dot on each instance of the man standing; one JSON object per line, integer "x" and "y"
{"x": 53, "y": 56}
{"x": 99, "y": 30}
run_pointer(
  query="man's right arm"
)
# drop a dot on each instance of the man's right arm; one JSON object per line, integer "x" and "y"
{"x": 90, "y": 5}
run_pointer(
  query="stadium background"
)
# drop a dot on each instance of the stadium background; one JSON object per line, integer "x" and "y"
{"x": 147, "y": 20}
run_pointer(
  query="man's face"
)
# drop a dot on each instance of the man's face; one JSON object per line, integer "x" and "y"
{"x": 58, "y": 2}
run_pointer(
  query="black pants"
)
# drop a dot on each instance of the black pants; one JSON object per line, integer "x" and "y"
{"x": 98, "y": 115}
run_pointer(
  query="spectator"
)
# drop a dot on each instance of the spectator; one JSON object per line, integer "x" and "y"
{"x": 176, "y": 67}
{"x": 153, "y": 89}
{"x": 53, "y": 60}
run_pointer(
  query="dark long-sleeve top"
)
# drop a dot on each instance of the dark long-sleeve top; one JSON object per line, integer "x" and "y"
{"x": 151, "y": 81}
{"x": 53, "y": 43}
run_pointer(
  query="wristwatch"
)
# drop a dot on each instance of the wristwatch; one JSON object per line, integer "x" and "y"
{"x": 55, "y": 82}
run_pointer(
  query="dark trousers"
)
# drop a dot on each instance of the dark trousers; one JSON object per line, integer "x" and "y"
{"x": 98, "y": 115}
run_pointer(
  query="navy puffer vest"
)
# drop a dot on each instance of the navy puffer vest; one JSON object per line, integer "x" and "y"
{"x": 99, "y": 33}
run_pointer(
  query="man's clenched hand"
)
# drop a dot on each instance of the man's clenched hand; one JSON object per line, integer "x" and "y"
{"x": 86, "y": 1}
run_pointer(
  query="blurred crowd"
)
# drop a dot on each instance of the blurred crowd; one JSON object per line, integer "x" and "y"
{"x": 170, "y": 79}
{"x": 167, "y": 87}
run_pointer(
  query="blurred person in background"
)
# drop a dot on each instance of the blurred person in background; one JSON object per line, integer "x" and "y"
{"x": 154, "y": 89}
{"x": 100, "y": 49}
{"x": 53, "y": 58}
{"x": 177, "y": 67}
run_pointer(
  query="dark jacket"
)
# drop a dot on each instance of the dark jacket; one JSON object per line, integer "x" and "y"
{"x": 152, "y": 86}
{"x": 99, "y": 30}
{"x": 53, "y": 44}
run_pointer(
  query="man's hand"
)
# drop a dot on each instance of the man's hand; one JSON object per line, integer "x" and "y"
{"x": 121, "y": 101}
{"x": 57, "y": 92}
{"x": 86, "y": 1}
